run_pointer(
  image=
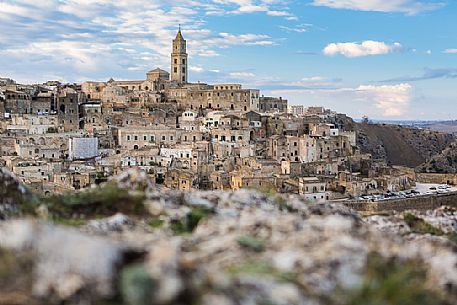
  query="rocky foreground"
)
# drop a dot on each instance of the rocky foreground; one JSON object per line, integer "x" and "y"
{"x": 129, "y": 242}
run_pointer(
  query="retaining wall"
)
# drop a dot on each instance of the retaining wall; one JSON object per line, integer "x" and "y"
{"x": 428, "y": 202}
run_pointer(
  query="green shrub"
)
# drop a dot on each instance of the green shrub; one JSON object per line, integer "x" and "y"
{"x": 104, "y": 200}
{"x": 420, "y": 226}
{"x": 391, "y": 282}
{"x": 191, "y": 221}
{"x": 137, "y": 286}
{"x": 251, "y": 243}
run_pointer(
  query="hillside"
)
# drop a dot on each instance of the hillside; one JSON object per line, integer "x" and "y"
{"x": 399, "y": 145}
{"x": 448, "y": 126}
{"x": 444, "y": 162}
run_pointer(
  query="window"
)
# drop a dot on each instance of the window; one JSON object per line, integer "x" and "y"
{"x": 183, "y": 70}
{"x": 183, "y": 61}
{"x": 163, "y": 138}
{"x": 128, "y": 138}
{"x": 176, "y": 61}
{"x": 176, "y": 70}
{"x": 171, "y": 138}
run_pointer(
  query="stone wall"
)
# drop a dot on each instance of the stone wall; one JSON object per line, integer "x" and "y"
{"x": 437, "y": 178}
{"x": 399, "y": 205}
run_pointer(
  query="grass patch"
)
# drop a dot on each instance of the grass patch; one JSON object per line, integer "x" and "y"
{"x": 390, "y": 282}
{"x": 251, "y": 243}
{"x": 137, "y": 286}
{"x": 277, "y": 198}
{"x": 155, "y": 223}
{"x": 104, "y": 200}
{"x": 191, "y": 221}
{"x": 261, "y": 268}
{"x": 420, "y": 226}
{"x": 70, "y": 222}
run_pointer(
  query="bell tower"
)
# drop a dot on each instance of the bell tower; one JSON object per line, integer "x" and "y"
{"x": 179, "y": 59}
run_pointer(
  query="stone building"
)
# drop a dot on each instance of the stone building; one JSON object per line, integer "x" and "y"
{"x": 272, "y": 104}
{"x": 180, "y": 179}
{"x": 313, "y": 189}
{"x": 17, "y": 102}
{"x": 218, "y": 97}
{"x": 68, "y": 102}
{"x": 134, "y": 138}
{"x": 92, "y": 117}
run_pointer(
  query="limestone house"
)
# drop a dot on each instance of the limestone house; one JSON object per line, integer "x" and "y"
{"x": 313, "y": 189}
{"x": 180, "y": 179}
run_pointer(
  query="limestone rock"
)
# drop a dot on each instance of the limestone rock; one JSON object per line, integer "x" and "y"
{"x": 66, "y": 261}
{"x": 12, "y": 193}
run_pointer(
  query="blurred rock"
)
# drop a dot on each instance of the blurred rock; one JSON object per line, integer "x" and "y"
{"x": 243, "y": 248}
{"x": 12, "y": 193}
{"x": 66, "y": 261}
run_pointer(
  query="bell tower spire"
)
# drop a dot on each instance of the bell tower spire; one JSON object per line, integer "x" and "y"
{"x": 179, "y": 59}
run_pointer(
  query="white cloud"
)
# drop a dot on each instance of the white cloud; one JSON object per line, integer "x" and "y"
{"x": 387, "y": 101}
{"x": 270, "y": 7}
{"x": 368, "y": 47}
{"x": 110, "y": 38}
{"x": 196, "y": 69}
{"x": 242, "y": 75}
{"x": 302, "y": 28}
{"x": 391, "y": 100}
{"x": 450, "y": 51}
{"x": 410, "y": 7}
{"x": 227, "y": 39}
{"x": 313, "y": 79}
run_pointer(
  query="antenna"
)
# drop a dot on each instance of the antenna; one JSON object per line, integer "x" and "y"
{"x": 179, "y": 27}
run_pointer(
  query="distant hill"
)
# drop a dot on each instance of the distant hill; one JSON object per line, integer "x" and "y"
{"x": 444, "y": 126}
{"x": 399, "y": 145}
{"x": 440, "y": 126}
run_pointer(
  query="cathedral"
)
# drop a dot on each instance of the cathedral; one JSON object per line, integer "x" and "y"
{"x": 161, "y": 86}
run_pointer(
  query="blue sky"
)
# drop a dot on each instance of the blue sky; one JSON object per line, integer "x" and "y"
{"x": 393, "y": 59}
